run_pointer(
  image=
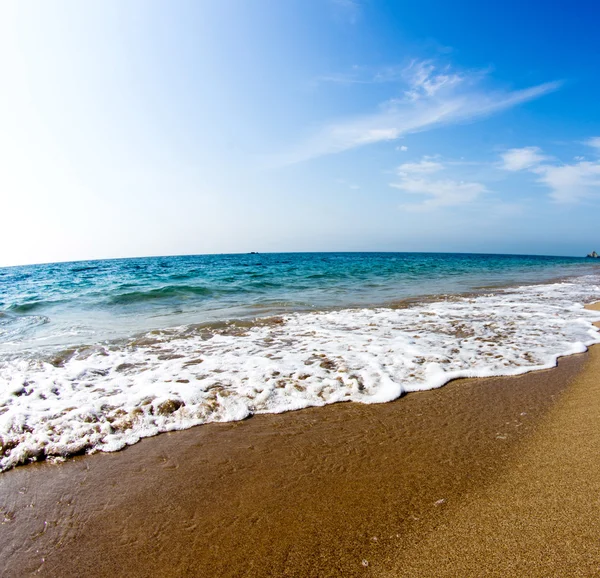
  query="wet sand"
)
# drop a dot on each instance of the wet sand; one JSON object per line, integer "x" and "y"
{"x": 540, "y": 515}
{"x": 481, "y": 477}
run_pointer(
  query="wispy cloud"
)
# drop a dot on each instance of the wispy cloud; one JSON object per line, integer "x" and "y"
{"x": 571, "y": 183}
{"x": 523, "y": 158}
{"x": 418, "y": 76}
{"x": 432, "y": 96}
{"x": 425, "y": 165}
{"x": 425, "y": 80}
{"x": 445, "y": 192}
{"x": 568, "y": 182}
{"x": 440, "y": 193}
{"x": 594, "y": 142}
{"x": 366, "y": 75}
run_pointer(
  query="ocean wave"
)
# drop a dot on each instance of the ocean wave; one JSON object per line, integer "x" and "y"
{"x": 27, "y": 307}
{"x": 191, "y": 274}
{"x": 14, "y": 327}
{"x": 105, "y": 397}
{"x": 84, "y": 268}
{"x": 167, "y": 292}
{"x": 34, "y": 304}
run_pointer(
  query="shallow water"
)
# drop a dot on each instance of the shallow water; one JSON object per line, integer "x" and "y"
{"x": 96, "y": 355}
{"x": 67, "y": 304}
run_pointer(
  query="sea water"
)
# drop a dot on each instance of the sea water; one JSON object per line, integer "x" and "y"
{"x": 96, "y": 355}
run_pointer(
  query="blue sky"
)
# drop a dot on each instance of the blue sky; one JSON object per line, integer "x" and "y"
{"x": 153, "y": 128}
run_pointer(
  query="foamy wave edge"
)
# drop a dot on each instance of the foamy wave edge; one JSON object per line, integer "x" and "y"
{"x": 103, "y": 398}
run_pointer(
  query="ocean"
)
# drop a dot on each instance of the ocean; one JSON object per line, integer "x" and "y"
{"x": 95, "y": 355}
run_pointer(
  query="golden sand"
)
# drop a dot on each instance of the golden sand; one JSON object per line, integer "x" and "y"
{"x": 481, "y": 477}
{"x": 540, "y": 516}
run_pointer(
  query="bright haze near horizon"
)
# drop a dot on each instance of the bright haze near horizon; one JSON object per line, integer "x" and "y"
{"x": 155, "y": 128}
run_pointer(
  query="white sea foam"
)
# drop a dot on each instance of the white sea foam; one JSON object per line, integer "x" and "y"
{"x": 106, "y": 397}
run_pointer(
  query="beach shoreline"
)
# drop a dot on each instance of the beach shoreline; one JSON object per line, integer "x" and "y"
{"x": 540, "y": 515}
{"x": 112, "y": 394}
{"x": 340, "y": 490}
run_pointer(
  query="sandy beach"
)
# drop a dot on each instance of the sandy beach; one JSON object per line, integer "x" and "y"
{"x": 494, "y": 476}
{"x": 298, "y": 289}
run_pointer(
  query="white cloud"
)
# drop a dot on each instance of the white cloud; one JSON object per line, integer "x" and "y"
{"x": 423, "y": 166}
{"x": 431, "y": 98}
{"x": 402, "y": 148}
{"x": 594, "y": 142}
{"x": 415, "y": 180}
{"x": 364, "y": 75}
{"x": 424, "y": 80}
{"x": 441, "y": 193}
{"x": 375, "y": 135}
{"x": 569, "y": 183}
{"x": 339, "y": 78}
{"x": 523, "y": 158}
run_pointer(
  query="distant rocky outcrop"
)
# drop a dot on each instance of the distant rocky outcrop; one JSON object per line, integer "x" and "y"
{"x": 593, "y": 255}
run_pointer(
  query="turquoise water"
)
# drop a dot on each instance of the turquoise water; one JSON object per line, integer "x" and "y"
{"x": 69, "y": 304}
{"x": 97, "y": 355}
